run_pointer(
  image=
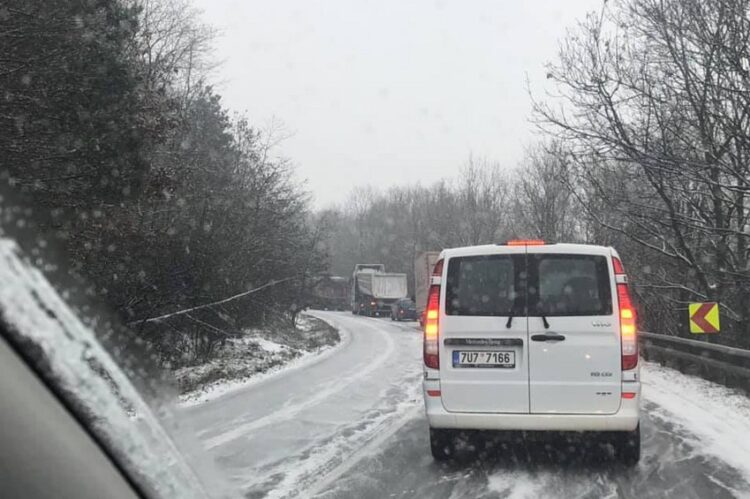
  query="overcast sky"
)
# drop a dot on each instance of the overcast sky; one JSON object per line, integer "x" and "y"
{"x": 388, "y": 92}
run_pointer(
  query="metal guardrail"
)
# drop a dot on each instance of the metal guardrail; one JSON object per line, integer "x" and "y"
{"x": 726, "y": 365}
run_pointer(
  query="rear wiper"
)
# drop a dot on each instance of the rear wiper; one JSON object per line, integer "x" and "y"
{"x": 539, "y": 309}
{"x": 516, "y": 305}
{"x": 544, "y": 321}
{"x": 510, "y": 321}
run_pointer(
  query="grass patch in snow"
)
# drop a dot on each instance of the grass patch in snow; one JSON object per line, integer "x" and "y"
{"x": 255, "y": 352}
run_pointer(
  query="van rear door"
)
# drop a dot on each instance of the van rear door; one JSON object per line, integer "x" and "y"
{"x": 574, "y": 361}
{"x": 483, "y": 350}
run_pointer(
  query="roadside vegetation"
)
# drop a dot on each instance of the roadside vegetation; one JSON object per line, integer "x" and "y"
{"x": 244, "y": 356}
{"x": 162, "y": 199}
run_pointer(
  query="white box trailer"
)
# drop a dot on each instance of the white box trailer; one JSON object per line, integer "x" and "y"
{"x": 373, "y": 291}
{"x": 424, "y": 261}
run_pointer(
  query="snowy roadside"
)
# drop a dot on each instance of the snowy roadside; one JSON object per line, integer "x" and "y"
{"x": 255, "y": 356}
{"x": 716, "y": 419}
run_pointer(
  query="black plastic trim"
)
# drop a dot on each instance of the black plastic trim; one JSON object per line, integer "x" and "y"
{"x": 483, "y": 342}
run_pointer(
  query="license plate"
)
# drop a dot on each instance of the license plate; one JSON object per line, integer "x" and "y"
{"x": 483, "y": 358}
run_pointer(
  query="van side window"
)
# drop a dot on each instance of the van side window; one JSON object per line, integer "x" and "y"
{"x": 570, "y": 285}
{"x": 485, "y": 286}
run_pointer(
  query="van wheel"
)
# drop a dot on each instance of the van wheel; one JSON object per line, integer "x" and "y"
{"x": 441, "y": 444}
{"x": 628, "y": 447}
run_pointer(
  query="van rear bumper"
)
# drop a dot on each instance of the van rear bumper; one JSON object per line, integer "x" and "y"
{"x": 626, "y": 419}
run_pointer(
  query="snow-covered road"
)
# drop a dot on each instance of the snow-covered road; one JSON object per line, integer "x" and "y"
{"x": 350, "y": 424}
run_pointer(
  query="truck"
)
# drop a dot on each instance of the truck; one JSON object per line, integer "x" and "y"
{"x": 424, "y": 262}
{"x": 373, "y": 290}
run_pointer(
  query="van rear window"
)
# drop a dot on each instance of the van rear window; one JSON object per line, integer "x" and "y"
{"x": 484, "y": 285}
{"x": 557, "y": 285}
{"x": 569, "y": 285}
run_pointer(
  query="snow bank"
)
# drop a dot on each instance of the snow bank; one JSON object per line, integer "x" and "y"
{"x": 253, "y": 358}
{"x": 717, "y": 418}
{"x": 270, "y": 346}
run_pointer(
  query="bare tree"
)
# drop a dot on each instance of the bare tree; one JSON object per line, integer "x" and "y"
{"x": 542, "y": 198}
{"x": 481, "y": 194}
{"x": 653, "y": 107}
{"x": 175, "y": 45}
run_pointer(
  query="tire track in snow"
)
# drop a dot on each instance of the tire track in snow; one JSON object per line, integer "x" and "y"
{"x": 334, "y": 458}
{"x": 290, "y": 411}
{"x": 376, "y": 440}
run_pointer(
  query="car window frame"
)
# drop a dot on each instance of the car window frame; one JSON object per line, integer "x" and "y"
{"x": 534, "y": 261}
{"x": 520, "y": 284}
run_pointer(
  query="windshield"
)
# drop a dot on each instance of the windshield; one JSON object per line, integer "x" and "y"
{"x": 558, "y": 285}
{"x": 344, "y": 248}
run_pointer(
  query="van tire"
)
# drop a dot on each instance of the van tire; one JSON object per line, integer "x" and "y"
{"x": 628, "y": 447}
{"x": 441, "y": 444}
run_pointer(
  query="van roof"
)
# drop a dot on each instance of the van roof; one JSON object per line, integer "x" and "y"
{"x": 498, "y": 249}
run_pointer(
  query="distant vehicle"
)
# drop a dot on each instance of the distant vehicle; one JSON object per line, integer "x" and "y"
{"x": 373, "y": 290}
{"x": 424, "y": 261}
{"x": 331, "y": 293}
{"x": 403, "y": 310}
{"x": 568, "y": 364}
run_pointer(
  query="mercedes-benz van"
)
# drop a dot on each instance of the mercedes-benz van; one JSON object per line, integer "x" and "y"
{"x": 531, "y": 336}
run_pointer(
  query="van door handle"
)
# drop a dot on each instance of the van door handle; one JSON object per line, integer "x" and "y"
{"x": 547, "y": 337}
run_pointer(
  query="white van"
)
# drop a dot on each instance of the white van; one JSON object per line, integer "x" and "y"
{"x": 531, "y": 336}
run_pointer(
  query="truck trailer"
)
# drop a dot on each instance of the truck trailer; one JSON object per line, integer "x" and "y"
{"x": 374, "y": 290}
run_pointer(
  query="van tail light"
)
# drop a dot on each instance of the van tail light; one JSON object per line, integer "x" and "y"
{"x": 437, "y": 270}
{"x": 617, "y": 264}
{"x": 628, "y": 333}
{"x": 431, "y": 328}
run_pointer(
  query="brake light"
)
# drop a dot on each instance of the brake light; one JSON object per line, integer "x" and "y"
{"x": 628, "y": 332}
{"x": 437, "y": 270}
{"x": 617, "y": 264}
{"x": 431, "y": 329}
{"x": 525, "y": 242}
